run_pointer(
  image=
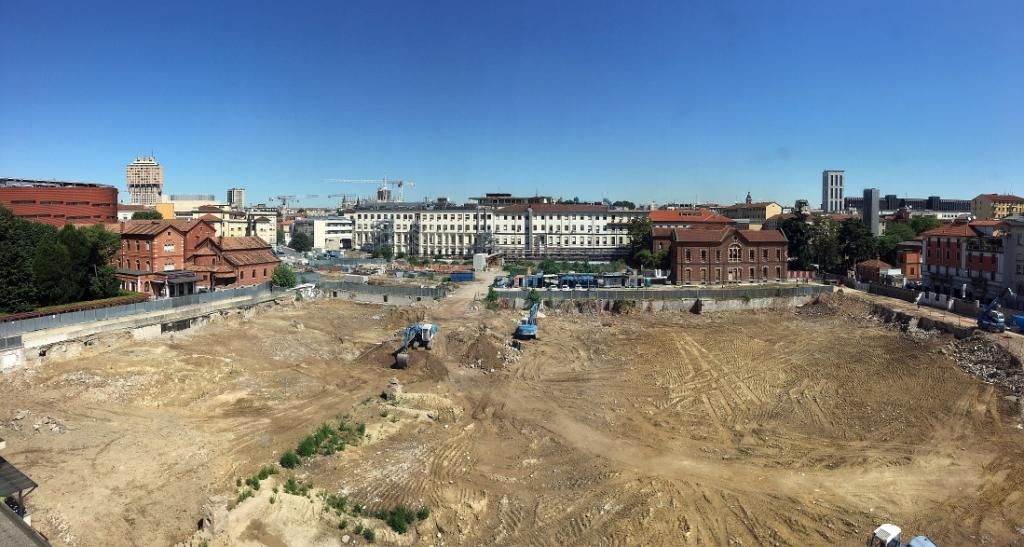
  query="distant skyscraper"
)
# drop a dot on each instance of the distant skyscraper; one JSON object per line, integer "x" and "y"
{"x": 236, "y": 198}
{"x": 832, "y": 191}
{"x": 869, "y": 212}
{"x": 145, "y": 181}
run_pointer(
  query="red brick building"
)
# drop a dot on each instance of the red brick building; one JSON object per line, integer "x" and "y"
{"x": 176, "y": 257}
{"x": 58, "y": 203}
{"x": 908, "y": 259}
{"x": 222, "y": 262}
{"x": 963, "y": 259}
{"x": 724, "y": 255}
{"x": 870, "y": 271}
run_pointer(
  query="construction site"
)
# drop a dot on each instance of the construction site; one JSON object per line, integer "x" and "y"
{"x": 806, "y": 424}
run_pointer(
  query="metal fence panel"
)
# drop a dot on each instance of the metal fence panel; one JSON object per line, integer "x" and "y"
{"x": 673, "y": 294}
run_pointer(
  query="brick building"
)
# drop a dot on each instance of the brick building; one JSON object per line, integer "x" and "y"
{"x": 222, "y": 262}
{"x": 176, "y": 257}
{"x": 724, "y": 255}
{"x": 870, "y": 271}
{"x": 963, "y": 259}
{"x": 154, "y": 254}
{"x": 908, "y": 259}
{"x": 58, "y": 203}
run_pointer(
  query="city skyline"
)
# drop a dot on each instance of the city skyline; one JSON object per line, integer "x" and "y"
{"x": 647, "y": 103}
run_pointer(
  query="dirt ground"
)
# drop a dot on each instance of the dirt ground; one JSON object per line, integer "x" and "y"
{"x": 779, "y": 427}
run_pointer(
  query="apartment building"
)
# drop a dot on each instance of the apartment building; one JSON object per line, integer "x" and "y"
{"x": 563, "y": 231}
{"x": 996, "y": 206}
{"x": 434, "y": 229}
{"x": 331, "y": 233}
{"x": 963, "y": 259}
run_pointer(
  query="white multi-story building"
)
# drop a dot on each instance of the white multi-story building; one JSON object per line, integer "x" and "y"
{"x": 424, "y": 229}
{"x": 563, "y": 230}
{"x": 527, "y": 230}
{"x": 145, "y": 179}
{"x": 328, "y": 233}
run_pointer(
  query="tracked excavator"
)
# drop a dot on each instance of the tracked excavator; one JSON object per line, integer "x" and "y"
{"x": 419, "y": 333}
{"x": 888, "y": 535}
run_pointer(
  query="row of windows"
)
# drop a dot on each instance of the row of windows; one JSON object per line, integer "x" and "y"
{"x": 735, "y": 254}
{"x": 732, "y": 274}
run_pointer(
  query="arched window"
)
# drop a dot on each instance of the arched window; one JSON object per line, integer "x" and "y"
{"x": 735, "y": 253}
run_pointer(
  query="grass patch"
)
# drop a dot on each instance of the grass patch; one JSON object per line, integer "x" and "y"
{"x": 338, "y": 503}
{"x": 329, "y": 439}
{"x": 398, "y": 518}
{"x": 243, "y": 495}
{"x": 369, "y": 535}
{"x": 296, "y": 487}
{"x": 423, "y": 513}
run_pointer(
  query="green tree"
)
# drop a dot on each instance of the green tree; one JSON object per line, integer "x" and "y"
{"x": 825, "y": 246}
{"x": 857, "y": 242}
{"x": 549, "y": 266}
{"x": 893, "y": 236}
{"x": 147, "y": 215}
{"x": 280, "y": 237}
{"x": 51, "y": 266}
{"x": 921, "y": 224}
{"x": 639, "y": 231}
{"x": 800, "y": 235}
{"x": 18, "y": 242}
{"x": 283, "y": 276}
{"x": 79, "y": 250}
{"x": 624, "y": 204}
{"x": 301, "y": 242}
{"x": 387, "y": 252}
{"x": 532, "y": 298}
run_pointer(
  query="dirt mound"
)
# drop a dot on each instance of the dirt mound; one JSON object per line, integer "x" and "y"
{"x": 835, "y": 305}
{"x": 985, "y": 358}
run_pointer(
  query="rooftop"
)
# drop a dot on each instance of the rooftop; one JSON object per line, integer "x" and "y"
{"x": 688, "y": 215}
{"x": 30, "y": 183}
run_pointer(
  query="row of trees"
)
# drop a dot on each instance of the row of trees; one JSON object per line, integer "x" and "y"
{"x": 41, "y": 265}
{"x": 836, "y": 246}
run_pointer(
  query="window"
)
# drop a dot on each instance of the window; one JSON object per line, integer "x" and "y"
{"x": 686, "y": 255}
{"x": 241, "y": 274}
{"x": 751, "y": 274}
{"x": 778, "y": 254}
{"x": 735, "y": 253}
{"x": 764, "y": 255}
{"x": 703, "y": 255}
{"x": 718, "y": 258}
{"x": 752, "y": 255}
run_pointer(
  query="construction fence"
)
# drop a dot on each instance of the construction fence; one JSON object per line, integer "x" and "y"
{"x": 384, "y": 290}
{"x": 12, "y": 328}
{"x": 734, "y": 293}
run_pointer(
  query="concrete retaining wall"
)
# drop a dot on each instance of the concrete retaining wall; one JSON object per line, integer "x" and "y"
{"x": 683, "y": 304}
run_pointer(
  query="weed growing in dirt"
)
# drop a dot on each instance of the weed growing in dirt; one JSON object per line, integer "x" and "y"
{"x": 337, "y": 502}
{"x": 398, "y": 519}
{"x": 369, "y": 535}
{"x": 296, "y": 487}
{"x": 328, "y": 439}
{"x": 343, "y": 524}
{"x": 289, "y": 460}
{"x": 491, "y": 300}
{"x": 243, "y": 495}
{"x": 423, "y": 513}
{"x": 358, "y": 509}
{"x": 358, "y": 529}
{"x": 273, "y": 499}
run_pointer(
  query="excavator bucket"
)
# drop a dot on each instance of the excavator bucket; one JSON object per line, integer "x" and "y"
{"x": 401, "y": 359}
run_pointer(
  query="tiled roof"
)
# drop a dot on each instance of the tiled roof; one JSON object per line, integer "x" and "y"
{"x": 209, "y": 217}
{"x": 1001, "y": 197}
{"x": 952, "y": 230}
{"x": 759, "y": 205}
{"x": 875, "y": 263}
{"x": 241, "y": 243}
{"x": 688, "y": 215}
{"x": 685, "y": 235}
{"x": 553, "y": 208}
{"x": 246, "y": 258}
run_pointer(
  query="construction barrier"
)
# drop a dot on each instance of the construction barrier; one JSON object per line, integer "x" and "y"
{"x": 387, "y": 290}
{"x": 113, "y": 312}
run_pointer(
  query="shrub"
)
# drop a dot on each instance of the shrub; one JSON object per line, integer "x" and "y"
{"x": 307, "y": 447}
{"x": 399, "y": 518}
{"x": 343, "y": 524}
{"x": 289, "y": 460}
{"x": 296, "y": 487}
{"x": 266, "y": 471}
{"x": 358, "y": 529}
{"x": 337, "y": 502}
{"x": 243, "y": 495}
{"x": 423, "y": 513}
{"x": 369, "y": 535}
{"x": 746, "y": 298}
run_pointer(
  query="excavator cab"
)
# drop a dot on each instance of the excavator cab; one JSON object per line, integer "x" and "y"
{"x": 888, "y": 535}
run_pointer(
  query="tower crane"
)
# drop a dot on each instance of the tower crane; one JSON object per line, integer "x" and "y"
{"x": 383, "y": 192}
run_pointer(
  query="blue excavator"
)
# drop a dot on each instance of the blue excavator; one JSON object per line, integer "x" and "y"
{"x": 419, "y": 333}
{"x": 990, "y": 318}
{"x": 527, "y": 328}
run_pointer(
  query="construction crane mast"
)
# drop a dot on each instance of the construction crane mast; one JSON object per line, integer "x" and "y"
{"x": 384, "y": 186}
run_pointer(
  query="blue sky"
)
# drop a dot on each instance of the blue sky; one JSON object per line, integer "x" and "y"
{"x": 625, "y": 100}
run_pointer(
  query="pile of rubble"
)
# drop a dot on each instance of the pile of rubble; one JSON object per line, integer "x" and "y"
{"x": 989, "y": 361}
{"x": 511, "y": 353}
{"x": 46, "y": 423}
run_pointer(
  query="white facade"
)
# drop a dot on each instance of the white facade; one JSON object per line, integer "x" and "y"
{"x": 236, "y": 198}
{"x": 424, "y": 231}
{"x": 328, "y": 233}
{"x": 567, "y": 230}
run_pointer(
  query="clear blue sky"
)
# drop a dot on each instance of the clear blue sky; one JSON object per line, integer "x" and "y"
{"x": 625, "y": 100}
